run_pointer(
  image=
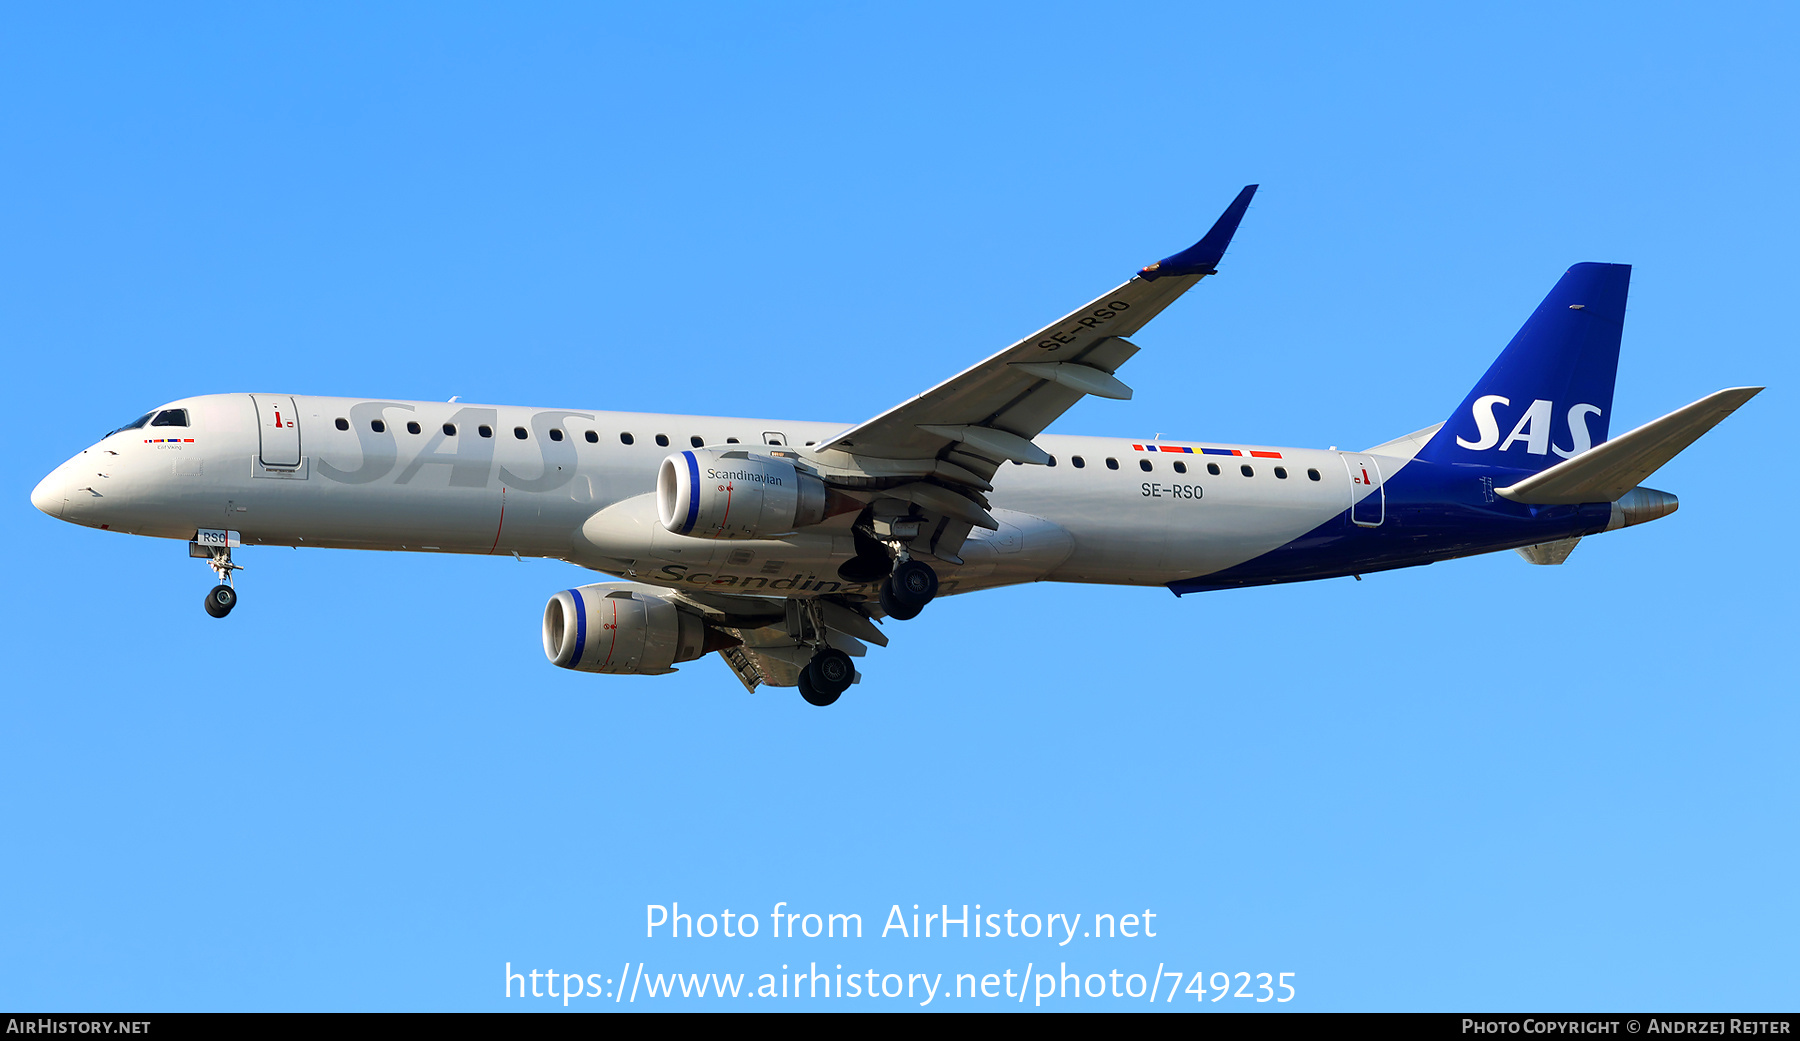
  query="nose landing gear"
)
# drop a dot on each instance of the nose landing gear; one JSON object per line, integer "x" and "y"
{"x": 220, "y": 599}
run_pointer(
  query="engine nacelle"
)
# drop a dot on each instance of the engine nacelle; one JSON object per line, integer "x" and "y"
{"x": 714, "y": 494}
{"x": 618, "y": 628}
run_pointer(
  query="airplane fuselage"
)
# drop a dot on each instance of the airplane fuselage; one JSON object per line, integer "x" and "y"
{"x": 577, "y": 485}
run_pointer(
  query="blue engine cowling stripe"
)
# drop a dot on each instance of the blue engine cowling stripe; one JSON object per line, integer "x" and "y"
{"x": 693, "y": 513}
{"x": 580, "y": 626}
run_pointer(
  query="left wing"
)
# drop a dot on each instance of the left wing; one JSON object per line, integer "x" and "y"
{"x": 989, "y": 413}
{"x": 923, "y": 466}
{"x": 927, "y": 462}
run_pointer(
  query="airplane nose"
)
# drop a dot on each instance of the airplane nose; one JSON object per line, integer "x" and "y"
{"x": 49, "y": 495}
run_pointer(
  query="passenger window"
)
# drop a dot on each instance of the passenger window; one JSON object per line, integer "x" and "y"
{"x": 1212, "y": 468}
{"x": 170, "y": 417}
{"x": 1312, "y": 475}
{"x": 555, "y": 434}
{"x": 1281, "y": 473}
{"x": 1078, "y": 461}
{"x": 662, "y": 440}
{"x": 1247, "y": 471}
{"x": 593, "y": 438}
{"x": 519, "y": 432}
{"x": 449, "y": 429}
{"x": 1052, "y": 460}
{"x": 484, "y": 430}
{"x": 625, "y": 439}
{"x": 1180, "y": 467}
{"x": 696, "y": 441}
{"x": 411, "y": 427}
{"x": 809, "y": 444}
{"x": 1144, "y": 464}
{"x": 731, "y": 440}
{"x": 378, "y": 426}
{"x": 343, "y": 424}
{"x": 1111, "y": 463}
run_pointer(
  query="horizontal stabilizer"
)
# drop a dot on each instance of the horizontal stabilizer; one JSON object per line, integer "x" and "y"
{"x": 1606, "y": 472}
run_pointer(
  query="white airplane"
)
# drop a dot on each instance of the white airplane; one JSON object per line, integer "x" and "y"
{"x": 779, "y": 544}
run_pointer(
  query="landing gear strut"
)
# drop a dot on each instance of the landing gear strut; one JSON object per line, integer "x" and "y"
{"x": 827, "y": 677}
{"x": 220, "y": 599}
{"x": 906, "y": 592}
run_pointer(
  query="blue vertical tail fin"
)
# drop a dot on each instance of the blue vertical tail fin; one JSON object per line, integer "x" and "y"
{"x": 1549, "y": 394}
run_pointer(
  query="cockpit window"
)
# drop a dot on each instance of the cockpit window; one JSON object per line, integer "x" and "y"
{"x": 170, "y": 417}
{"x": 133, "y": 425}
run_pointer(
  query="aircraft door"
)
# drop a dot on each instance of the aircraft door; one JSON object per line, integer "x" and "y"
{"x": 774, "y": 437}
{"x": 279, "y": 424}
{"x": 1367, "y": 508}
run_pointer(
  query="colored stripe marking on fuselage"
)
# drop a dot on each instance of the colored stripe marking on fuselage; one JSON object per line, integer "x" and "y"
{"x": 1184, "y": 450}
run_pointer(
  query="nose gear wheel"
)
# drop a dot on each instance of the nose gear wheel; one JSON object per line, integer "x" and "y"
{"x": 220, "y": 600}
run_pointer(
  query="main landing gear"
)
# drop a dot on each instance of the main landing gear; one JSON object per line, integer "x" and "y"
{"x": 830, "y": 672}
{"x": 220, "y": 599}
{"x": 827, "y": 677}
{"x": 911, "y": 586}
{"x": 907, "y": 585}
{"x": 904, "y": 593}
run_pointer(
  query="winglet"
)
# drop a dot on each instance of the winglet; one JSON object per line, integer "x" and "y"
{"x": 1202, "y": 258}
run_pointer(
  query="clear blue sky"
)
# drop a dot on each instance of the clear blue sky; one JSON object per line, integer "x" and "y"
{"x": 1476, "y": 785}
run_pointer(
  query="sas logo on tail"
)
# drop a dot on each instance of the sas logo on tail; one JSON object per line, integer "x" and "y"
{"x": 1532, "y": 429}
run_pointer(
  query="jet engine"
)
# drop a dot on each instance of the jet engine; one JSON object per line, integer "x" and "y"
{"x": 713, "y": 494}
{"x": 619, "y": 628}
